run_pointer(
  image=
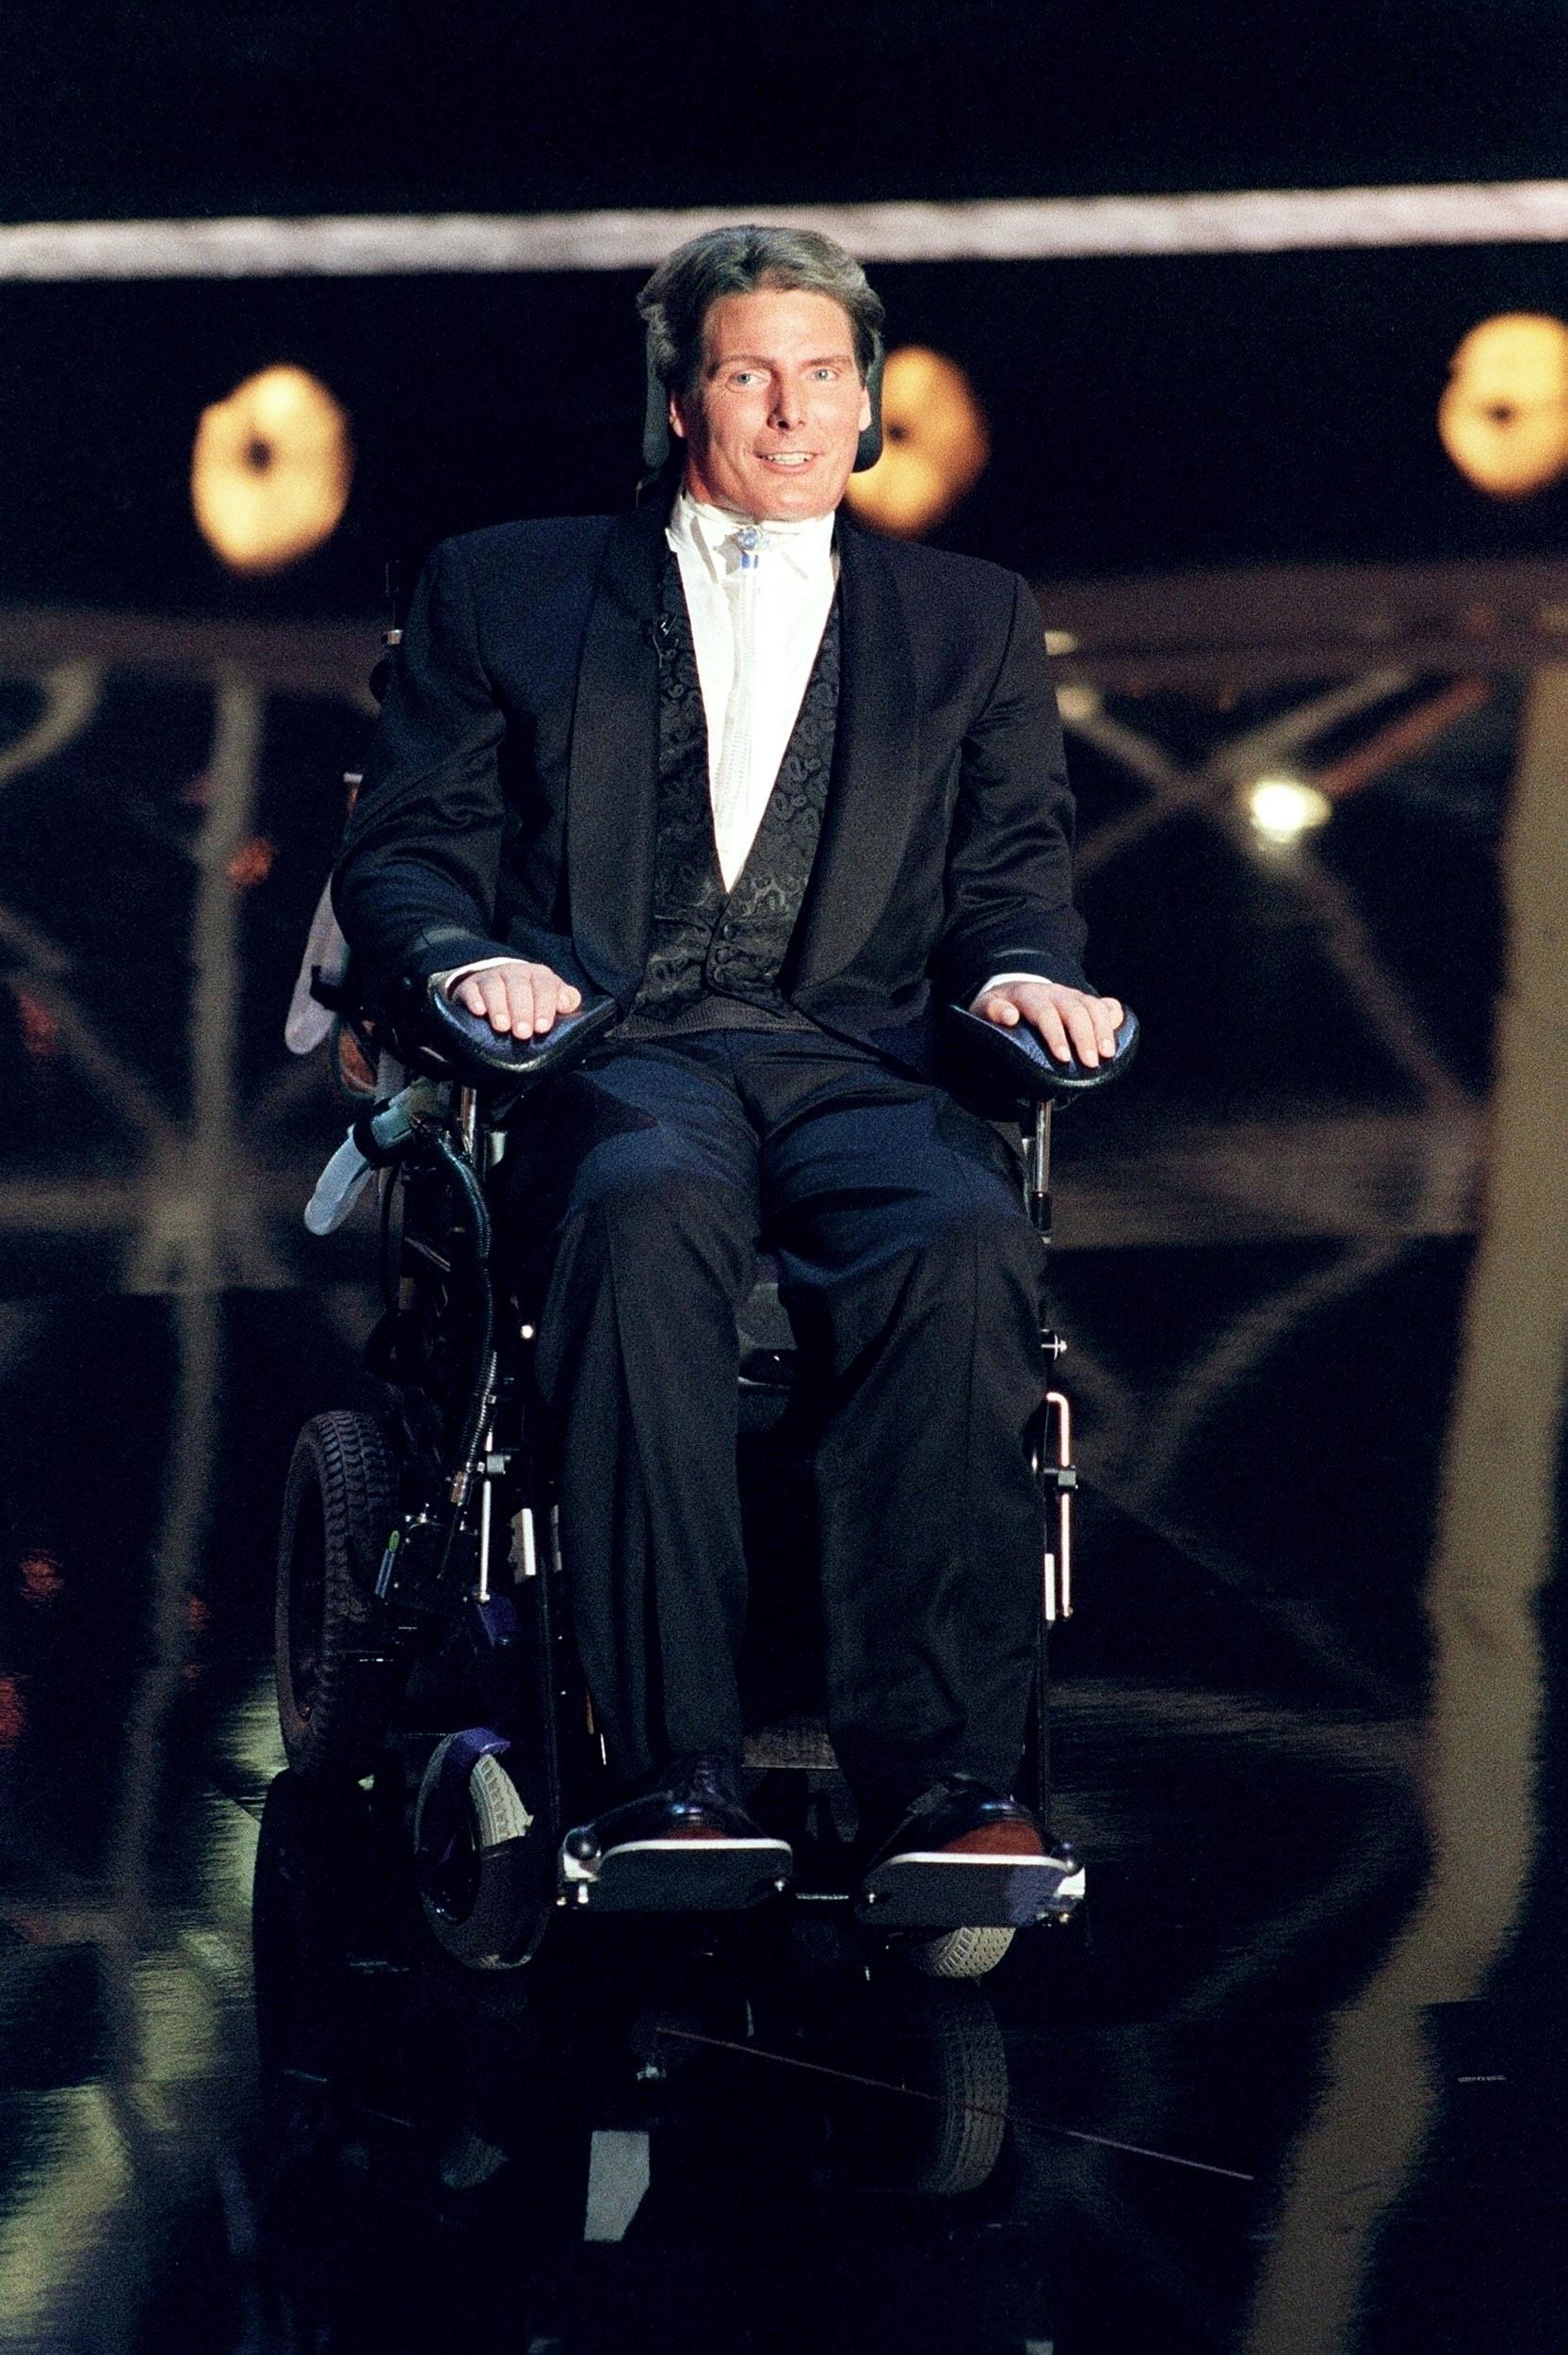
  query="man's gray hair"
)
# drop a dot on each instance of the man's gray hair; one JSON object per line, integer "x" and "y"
{"x": 675, "y": 302}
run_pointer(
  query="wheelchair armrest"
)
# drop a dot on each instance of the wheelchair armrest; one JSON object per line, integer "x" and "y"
{"x": 480, "y": 1055}
{"x": 1018, "y": 1060}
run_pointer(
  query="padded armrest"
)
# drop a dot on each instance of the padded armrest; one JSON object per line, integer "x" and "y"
{"x": 480, "y": 1054}
{"x": 1017, "y": 1059}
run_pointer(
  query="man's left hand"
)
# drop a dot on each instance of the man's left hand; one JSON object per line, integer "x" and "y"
{"x": 1071, "y": 1023}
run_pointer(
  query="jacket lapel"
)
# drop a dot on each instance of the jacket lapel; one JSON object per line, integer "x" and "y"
{"x": 613, "y": 776}
{"x": 875, "y": 768}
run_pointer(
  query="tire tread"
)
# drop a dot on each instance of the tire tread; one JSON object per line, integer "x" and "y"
{"x": 962, "y": 1954}
{"x": 346, "y": 1458}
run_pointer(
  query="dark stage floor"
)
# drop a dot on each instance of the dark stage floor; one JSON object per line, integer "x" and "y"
{"x": 1294, "y": 2087}
{"x": 1300, "y": 2085}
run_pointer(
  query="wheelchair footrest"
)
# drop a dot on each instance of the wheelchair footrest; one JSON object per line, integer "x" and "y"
{"x": 938, "y": 1890}
{"x": 677, "y": 1875}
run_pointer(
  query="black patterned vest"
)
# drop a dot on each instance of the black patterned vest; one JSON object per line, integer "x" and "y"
{"x": 714, "y": 956}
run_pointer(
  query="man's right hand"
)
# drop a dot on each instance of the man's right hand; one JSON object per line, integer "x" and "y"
{"x": 517, "y": 996}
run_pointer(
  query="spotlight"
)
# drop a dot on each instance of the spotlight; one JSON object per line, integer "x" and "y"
{"x": 270, "y": 471}
{"x": 1504, "y": 416}
{"x": 934, "y": 445}
{"x": 1282, "y": 808}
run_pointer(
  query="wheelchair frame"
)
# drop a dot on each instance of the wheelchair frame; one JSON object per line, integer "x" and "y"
{"x": 445, "y": 1610}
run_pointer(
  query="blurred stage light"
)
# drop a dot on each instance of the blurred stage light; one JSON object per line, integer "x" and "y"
{"x": 1282, "y": 808}
{"x": 41, "y": 1578}
{"x": 13, "y": 1712}
{"x": 252, "y": 863}
{"x": 1080, "y": 703}
{"x": 1504, "y": 416}
{"x": 40, "y": 1032}
{"x": 356, "y": 1074}
{"x": 270, "y": 471}
{"x": 934, "y": 445}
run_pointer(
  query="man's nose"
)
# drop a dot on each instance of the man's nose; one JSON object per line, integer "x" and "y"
{"x": 790, "y": 408}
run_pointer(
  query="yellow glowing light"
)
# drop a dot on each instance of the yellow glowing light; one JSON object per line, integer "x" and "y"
{"x": 934, "y": 445}
{"x": 1080, "y": 703}
{"x": 270, "y": 471}
{"x": 1504, "y": 416}
{"x": 1282, "y": 808}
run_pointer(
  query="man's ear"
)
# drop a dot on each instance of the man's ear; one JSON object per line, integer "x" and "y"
{"x": 677, "y": 424}
{"x": 865, "y": 418}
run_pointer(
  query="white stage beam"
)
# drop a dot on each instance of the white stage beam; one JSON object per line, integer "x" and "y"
{"x": 1006, "y": 229}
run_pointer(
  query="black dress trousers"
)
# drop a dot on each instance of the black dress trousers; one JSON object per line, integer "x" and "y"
{"x": 641, "y": 1185}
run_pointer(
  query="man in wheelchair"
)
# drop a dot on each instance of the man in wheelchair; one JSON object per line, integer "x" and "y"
{"x": 784, "y": 793}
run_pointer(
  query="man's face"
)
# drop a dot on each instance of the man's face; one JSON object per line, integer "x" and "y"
{"x": 771, "y": 426}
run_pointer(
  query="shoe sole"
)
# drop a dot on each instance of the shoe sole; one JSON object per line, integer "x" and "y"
{"x": 934, "y": 1890}
{"x": 680, "y": 1876}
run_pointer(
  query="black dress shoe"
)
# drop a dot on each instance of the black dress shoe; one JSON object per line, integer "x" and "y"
{"x": 690, "y": 1844}
{"x": 965, "y": 1856}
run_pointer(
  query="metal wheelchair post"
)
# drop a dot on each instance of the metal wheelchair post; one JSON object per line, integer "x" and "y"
{"x": 468, "y": 1123}
{"x": 1055, "y": 1474}
{"x": 1055, "y": 1471}
{"x": 1038, "y": 1161}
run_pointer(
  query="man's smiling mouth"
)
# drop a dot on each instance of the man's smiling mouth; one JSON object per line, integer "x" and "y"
{"x": 790, "y": 458}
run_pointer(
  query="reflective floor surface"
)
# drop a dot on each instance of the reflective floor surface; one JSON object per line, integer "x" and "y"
{"x": 1297, "y": 2082}
{"x": 1294, "y": 2086}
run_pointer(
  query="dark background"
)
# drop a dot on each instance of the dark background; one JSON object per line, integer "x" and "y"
{"x": 191, "y": 106}
{"x": 1163, "y": 413}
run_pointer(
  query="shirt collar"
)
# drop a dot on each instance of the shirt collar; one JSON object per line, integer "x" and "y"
{"x": 804, "y": 542}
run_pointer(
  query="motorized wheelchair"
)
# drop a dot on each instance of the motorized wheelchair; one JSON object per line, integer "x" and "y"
{"x": 423, "y": 1622}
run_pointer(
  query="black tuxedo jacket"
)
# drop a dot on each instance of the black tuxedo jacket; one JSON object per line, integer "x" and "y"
{"x": 510, "y": 788}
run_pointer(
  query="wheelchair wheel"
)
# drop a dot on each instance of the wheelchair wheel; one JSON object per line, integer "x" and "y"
{"x": 960, "y": 1954}
{"x": 484, "y": 1871}
{"x": 971, "y": 2075}
{"x": 333, "y": 1693}
{"x": 943, "y": 2045}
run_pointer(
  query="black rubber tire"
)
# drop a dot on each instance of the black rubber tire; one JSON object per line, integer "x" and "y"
{"x": 339, "y": 1504}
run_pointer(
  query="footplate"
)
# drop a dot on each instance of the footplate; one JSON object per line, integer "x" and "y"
{"x": 673, "y": 1876}
{"x": 935, "y": 1889}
